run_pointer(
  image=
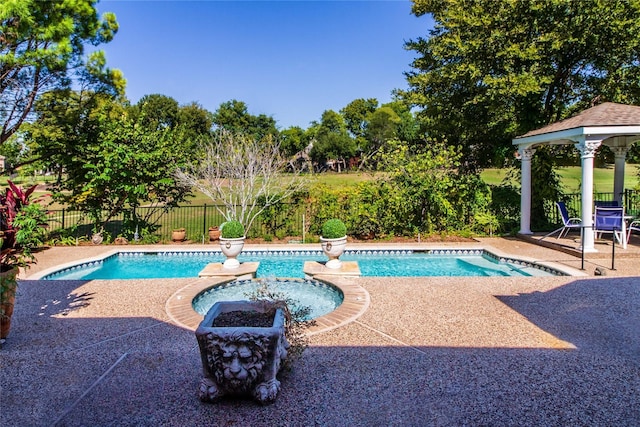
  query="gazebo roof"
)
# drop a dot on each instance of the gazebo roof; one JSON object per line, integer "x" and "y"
{"x": 605, "y": 118}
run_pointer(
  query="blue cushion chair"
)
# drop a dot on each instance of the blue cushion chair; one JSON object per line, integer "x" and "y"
{"x": 568, "y": 223}
{"x": 609, "y": 220}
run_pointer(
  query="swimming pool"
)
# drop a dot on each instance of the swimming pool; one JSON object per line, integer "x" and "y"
{"x": 289, "y": 263}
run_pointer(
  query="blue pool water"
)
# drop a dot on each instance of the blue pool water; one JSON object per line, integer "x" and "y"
{"x": 318, "y": 297}
{"x": 139, "y": 265}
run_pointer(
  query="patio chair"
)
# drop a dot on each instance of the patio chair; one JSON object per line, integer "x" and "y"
{"x": 609, "y": 220}
{"x": 606, "y": 204}
{"x": 568, "y": 223}
{"x": 634, "y": 226}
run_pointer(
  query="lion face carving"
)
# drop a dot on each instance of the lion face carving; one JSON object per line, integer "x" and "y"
{"x": 237, "y": 362}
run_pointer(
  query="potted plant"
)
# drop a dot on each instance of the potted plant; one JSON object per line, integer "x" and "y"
{"x": 214, "y": 233}
{"x": 244, "y": 344}
{"x": 242, "y": 347}
{"x": 231, "y": 242}
{"x": 21, "y": 231}
{"x": 334, "y": 241}
{"x": 178, "y": 235}
{"x": 97, "y": 238}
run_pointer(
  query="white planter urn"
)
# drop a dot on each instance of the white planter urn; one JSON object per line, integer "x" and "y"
{"x": 333, "y": 248}
{"x": 231, "y": 248}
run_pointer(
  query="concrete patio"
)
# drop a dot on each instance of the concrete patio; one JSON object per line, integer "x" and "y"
{"x": 428, "y": 351}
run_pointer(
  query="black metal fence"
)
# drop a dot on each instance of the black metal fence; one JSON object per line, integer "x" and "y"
{"x": 195, "y": 219}
{"x": 630, "y": 201}
{"x": 289, "y": 221}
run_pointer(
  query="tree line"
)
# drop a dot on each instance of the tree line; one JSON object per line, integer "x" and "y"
{"x": 485, "y": 73}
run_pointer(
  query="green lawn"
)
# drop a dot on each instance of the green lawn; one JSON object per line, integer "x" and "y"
{"x": 572, "y": 176}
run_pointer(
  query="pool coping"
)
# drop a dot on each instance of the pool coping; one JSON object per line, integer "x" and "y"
{"x": 356, "y": 301}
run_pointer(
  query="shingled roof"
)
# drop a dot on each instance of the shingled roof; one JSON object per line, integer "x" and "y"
{"x": 605, "y": 114}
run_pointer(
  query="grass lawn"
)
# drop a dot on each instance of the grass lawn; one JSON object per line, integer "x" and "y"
{"x": 572, "y": 176}
{"x": 330, "y": 179}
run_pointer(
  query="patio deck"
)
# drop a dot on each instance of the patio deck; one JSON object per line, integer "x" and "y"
{"x": 428, "y": 351}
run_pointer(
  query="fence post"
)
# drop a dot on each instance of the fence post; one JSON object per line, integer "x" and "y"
{"x": 204, "y": 221}
{"x": 625, "y": 202}
{"x": 63, "y": 227}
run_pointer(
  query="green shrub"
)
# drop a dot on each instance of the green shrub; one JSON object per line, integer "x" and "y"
{"x": 232, "y": 230}
{"x": 28, "y": 222}
{"x": 334, "y": 229}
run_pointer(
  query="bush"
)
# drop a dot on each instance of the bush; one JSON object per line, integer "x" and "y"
{"x": 334, "y": 229}
{"x": 30, "y": 232}
{"x": 232, "y": 230}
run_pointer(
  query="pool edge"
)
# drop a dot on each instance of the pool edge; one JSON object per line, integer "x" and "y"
{"x": 488, "y": 249}
{"x": 356, "y": 301}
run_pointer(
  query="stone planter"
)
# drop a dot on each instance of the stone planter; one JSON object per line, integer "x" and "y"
{"x": 214, "y": 234}
{"x": 97, "y": 238}
{"x": 179, "y": 235}
{"x": 239, "y": 358}
{"x": 333, "y": 248}
{"x": 8, "y": 286}
{"x": 231, "y": 248}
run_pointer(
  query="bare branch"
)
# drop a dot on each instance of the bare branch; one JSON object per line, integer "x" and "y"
{"x": 244, "y": 175}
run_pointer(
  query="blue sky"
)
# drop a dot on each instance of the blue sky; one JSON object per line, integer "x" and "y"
{"x": 291, "y": 60}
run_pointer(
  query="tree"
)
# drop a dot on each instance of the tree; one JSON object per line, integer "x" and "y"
{"x": 42, "y": 48}
{"x": 112, "y": 163}
{"x": 383, "y": 126}
{"x": 234, "y": 116}
{"x": 408, "y": 127}
{"x": 194, "y": 121}
{"x": 332, "y": 140}
{"x": 12, "y": 151}
{"x": 157, "y": 111}
{"x": 356, "y": 115}
{"x": 292, "y": 140}
{"x": 241, "y": 172}
{"x": 436, "y": 195}
{"x": 129, "y": 167}
{"x": 489, "y": 71}
{"x": 187, "y": 123}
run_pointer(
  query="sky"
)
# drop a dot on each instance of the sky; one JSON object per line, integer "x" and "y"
{"x": 290, "y": 60}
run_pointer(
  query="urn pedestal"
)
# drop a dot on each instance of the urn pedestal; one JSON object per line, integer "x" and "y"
{"x": 231, "y": 248}
{"x": 333, "y": 248}
{"x": 242, "y": 347}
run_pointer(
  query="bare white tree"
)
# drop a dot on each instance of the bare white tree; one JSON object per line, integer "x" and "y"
{"x": 242, "y": 174}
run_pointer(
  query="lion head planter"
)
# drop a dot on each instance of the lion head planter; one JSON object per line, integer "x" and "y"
{"x": 240, "y": 358}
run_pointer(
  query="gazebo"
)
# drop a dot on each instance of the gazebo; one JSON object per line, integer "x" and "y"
{"x": 614, "y": 125}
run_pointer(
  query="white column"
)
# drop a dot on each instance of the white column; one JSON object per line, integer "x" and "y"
{"x": 526, "y": 153}
{"x": 618, "y": 178}
{"x": 587, "y": 153}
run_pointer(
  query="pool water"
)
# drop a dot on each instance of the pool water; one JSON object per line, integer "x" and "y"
{"x": 318, "y": 297}
{"x": 138, "y": 265}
